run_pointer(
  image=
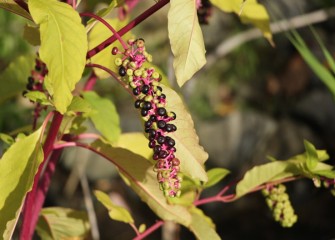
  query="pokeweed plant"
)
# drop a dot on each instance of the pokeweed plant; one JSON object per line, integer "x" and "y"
{"x": 171, "y": 177}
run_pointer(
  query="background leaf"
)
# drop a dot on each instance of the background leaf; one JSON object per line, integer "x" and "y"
{"x": 10, "y": 5}
{"x": 186, "y": 39}
{"x": 63, "y": 48}
{"x": 104, "y": 116}
{"x": 192, "y": 156}
{"x": 13, "y": 80}
{"x": 312, "y": 156}
{"x": 62, "y": 223}
{"x": 18, "y": 167}
{"x": 116, "y": 213}
{"x": 215, "y": 175}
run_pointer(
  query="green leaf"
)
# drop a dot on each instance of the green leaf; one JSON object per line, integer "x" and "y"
{"x": 202, "y": 226}
{"x": 186, "y": 39}
{"x": 215, "y": 175}
{"x": 135, "y": 142}
{"x": 62, "y": 223}
{"x": 104, "y": 116}
{"x": 312, "y": 156}
{"x": 249, "y": 12}
{"x": 32, "y": 35}
{"x": 63, "y": 48}
{"x": 192, "y": 156}
{"x": 139, "y": 174}
{"x": 6, "y": 138}
{"x": 18, "y": 167}
{"x": 116, "y": 213}
{"x": 12, "y": 6}
{"x": 13, "y": 79}
{"x": 105, "y": 11}
{"x": 100, "y": 33}
{"x": 39, "y": 97}
{"x": 79, "y": 104}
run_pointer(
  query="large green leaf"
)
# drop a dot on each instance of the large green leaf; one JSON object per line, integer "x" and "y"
{"x": 104, "y": 116}
{"x": 11, "y": 5}
{"x": 14, "y": 78}
{"x": 139, "y": 174}
{"x": 18, "y": 167}
{"x": 215, "y": 175}
{"x": 192, "y": 156}
{"x": 186, "y": 39}
{"x": 249, "y": 11}
{"x": 116, "y": 212}
{"x": 63, "y": 48}
{"x": 98, "y": 34}
{"x": 202, "y": 226}
{"x": 62, "y": 223}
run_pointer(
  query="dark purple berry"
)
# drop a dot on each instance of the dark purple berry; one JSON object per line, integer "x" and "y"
{"x": 30, "y": 86}
{"x": 159, "y": 88}
{"x": 161, "y": 124}
{"x": 148, "y": 124}
{"x": 152, "y": 144}
{"x": 147, "y": 105}
{"x": 145, "y": 89}
{"x": 138, "y": 103}
{"x": 152, "y": 133}
{"x": 173, "y": 115}
{"x": 162, "y": 96}
{"x": 136, "y": 91}
{"x": 122, "y": 71}
{"x": 147, "y": 130}
{"x": 157, "y": 149}
{"x": 170, "y": 128}
{"x": 163, "y": 154}
{"x": 31, "y": 80}
{"x": 174, "y": 128}
{"x": 38, "y": 68}
{"x": 144, "y": 112}
{"x": 115, "y": 50}
{"x": 161, "y": 111}
{"x": 155, "y": 156}
{"x": 170, "y": 142}
{"x": 153, "y": 118}
{"x": 161, "y": 139}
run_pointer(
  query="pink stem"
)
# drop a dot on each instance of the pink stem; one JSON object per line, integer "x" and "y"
{"x": 91, "y": 81}
{"x": 150, "y": 230}
{"x": 104, "y": 22}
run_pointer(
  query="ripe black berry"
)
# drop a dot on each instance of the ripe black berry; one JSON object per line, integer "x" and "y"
{"x": 144, "y": 112}
{"x": 170, "y": 142}
{"x": 163, "y": 154}
{"x": 152, "y": 144}
{"x": 145, "y": 89}
{"x": 30, "y": 86}
{"x": 161, "y": 111}
{"x": 161, "y": 124}
{"x": 148, "y": 124}
{"x": 147, "y": 105}
{"x": 162, "y": 96}
{"x": 152, "y": 133}
{"x": 115, "y": 50}
{"x": 31, "y": 80}
{"x": 136, "y": 91}
{"x": 138, "y": 103}
{"x": 153, "y": 118}
{"x": 161, "y": 139}
{"x": 122, "y": 71}
{"x": 157, "y": 149}
{"x": 155, "y": 156}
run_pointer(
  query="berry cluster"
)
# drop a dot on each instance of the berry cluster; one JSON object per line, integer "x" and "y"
{"x": 204, "y": 11}
{"x": 151, "y": 102}
{"x": 35, "y": 80}
{"x": 278, "y": 201}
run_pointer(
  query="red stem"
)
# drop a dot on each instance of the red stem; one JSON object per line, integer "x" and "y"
{"x": 91, "y": 81}
{"x": 30, "y": 213}
{"x": 22, "y": 4}
{"x": 128, "y": 27}
{"x": 149, "y": 230}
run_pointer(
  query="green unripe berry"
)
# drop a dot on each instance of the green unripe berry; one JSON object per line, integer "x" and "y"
{"x": 125, "y": 63}
{"x": 166, "y": 193}
{"x": 265, "y": 191}
{"x": 130, "y": 72}
{"x": 166, "y": 174}
{"x": 178, "y": 193}
{"x": 166, "y": 185}
{"x": 118, "y": 61}
{"x": 138, "y": 72}
{"x": 155, "y": 75}
{"x": 132, "y": 85}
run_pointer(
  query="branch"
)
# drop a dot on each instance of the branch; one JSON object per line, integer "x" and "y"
{"x": 233, "y": 42}
{"x": 149, "y": 230}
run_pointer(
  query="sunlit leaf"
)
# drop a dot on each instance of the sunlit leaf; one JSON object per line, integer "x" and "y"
{"x": 104, "y": 116}
{"x": 97, "y": 35}
{"x": 12, "y": 6}
{"x": 215, "y": 175}
{"x": 39, "y": 97}
{"x": 62, "y": 223}
{"x": 79, "y": 104}
{"x": 312, "y": 156}
{"x": 202, "y": 226}
{"x": 192, "y": 156}
{"x": 105, "y": 11}
{"x": 32, "y": 35}
{"x": 18, "y": 167}
{"x": 249, "y": 11}
{"x": 116, "y": 213}
{"x": 63, "y": 48}
{"x": 139, "y": 174}
{"x": 186, "y": 39}
{"x": 14, "y": 78}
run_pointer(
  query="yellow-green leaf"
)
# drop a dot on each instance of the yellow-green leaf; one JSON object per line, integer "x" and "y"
{"x": 249, "y": 11}
{"x": 62, "y": 223}
{"x": 115, "y": 212}
{"x": 202, "y": 226}
{"x": 98, "y": 34}
{"x": 63, "y": 48}
{"x": 215, "y": 175}
{"x": 12, "y": 6}
{"x": 192, "y": 156}
{"x": 18, "y": 167}
{"x": 186, "y": 39}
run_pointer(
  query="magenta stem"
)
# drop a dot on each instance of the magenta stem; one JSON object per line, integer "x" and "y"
{"x": 90, "y": 83}
{"x": 150, "y": 230}
{"x": 127, "y": 28}
{"x": 104, "y": 22}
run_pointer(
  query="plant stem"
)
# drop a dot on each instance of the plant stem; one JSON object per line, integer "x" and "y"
{"x": 91, "y": 81}
{"x": 128, "y": 27}
{"x": 30, "y": 213}
{"x": 22, "y": 4}
{"x": 150, "y": 230}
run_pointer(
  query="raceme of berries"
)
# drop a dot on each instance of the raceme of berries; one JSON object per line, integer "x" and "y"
{"x": 278, "y": 201}
{"x": 35, "y": 80}
{"x": 151, "y": 102}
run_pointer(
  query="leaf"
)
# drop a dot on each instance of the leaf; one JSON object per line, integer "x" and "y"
{"x": 202, "y": 226}
{"x": 215, "y": 175}
{"x": 186, "y": 39}
{"x": 79, "y": 104}
{"x": 18, "y": 167}
{"x": 249, "y": 11}
{"x": 142, "y": 228}
{"x": 116, "y": 213}
{"x": 104, "y": 116}
{"x": 6, "y": 138}
{"x": 62, "y": 223}
{"x": 98, "y": 34}
{"x": 63, "y": 48}
{"x": 312, "y": 156}
{"x": 139, "y": 174}
{"x": 32, "y": 35}
{"x": 14, "y": 78}
{"x": 192, "y": 156}
{"x": 105, "y": 11}
{"x": 37, "y": 96}
{"x": 12, "y": 6}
